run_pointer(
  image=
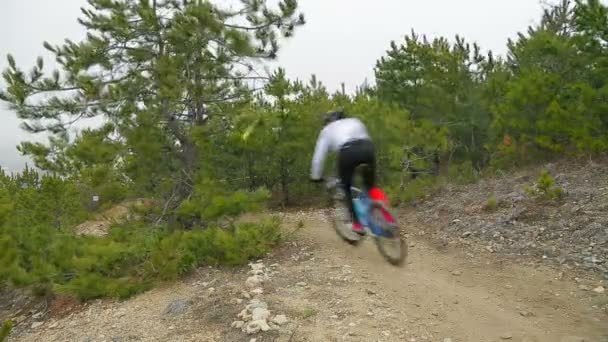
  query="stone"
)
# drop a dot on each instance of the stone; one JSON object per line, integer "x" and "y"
{"x": 573, "y": 339}
{"x": 252, "y": 328}
{"x": 254, "y": 281}
{"x": 448, "y": 339}
{"x": 257, "y": 267}
{"x": 466, "y": 234}
{"x": 54, "y": 325}
{"x": 177, "y": 307}
{"x": 120, "y": 313}
{"x": 257, "y": 291}
{"x": 244, "y": 315}
{"x": 260, "y": 314}
{"x": 37, "y": 316}
{"x": 301, "y": 284}
{"x": 456, "y": 273}
{"x": 280, "y": 320}
{"x": 256, "y": 326}
{"x": 599, "y": 289}
{"x": 526, "y": 313}
{"x": 237, "y": 324}
{"x": 256, "y": 303}
{"x": 595, "y": 260}
{"x": 256, "y": 272}
{"x": 584, "y": 287}
{"x": 36, "y": 324}
{"x": 506, "y": 336}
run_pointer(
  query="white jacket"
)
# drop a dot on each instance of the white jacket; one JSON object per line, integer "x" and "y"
{"x": 333, "y": 137}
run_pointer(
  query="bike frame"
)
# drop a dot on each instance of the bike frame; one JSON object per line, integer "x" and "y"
{"x": 364, "y": 207}
{"x": 361, "y": 198}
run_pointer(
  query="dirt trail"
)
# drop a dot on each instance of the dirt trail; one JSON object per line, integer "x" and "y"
{"x": 466, "y": 297}
{"x": 331, "y": 291}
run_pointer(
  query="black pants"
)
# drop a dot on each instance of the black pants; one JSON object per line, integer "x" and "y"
{"x": 351, "y": 155}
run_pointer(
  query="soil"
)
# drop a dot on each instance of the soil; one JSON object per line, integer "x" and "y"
{"x": 471, "y": 275}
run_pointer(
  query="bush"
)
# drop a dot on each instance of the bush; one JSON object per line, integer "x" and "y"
{"x": 416, "y": 189}
{"x": 308, "y": 312}
{"x": 39, "y": 251}
{"x": 127, "y": 261}
{"x": 463, "y": 173}
{"x": 212, "y": 202}
{"x": 545, "y": 187}
{"x": 491, "y": 204}
{"x": 7, "y": 326}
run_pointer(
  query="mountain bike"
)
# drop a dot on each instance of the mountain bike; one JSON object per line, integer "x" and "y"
{"x": 375, "y": 216}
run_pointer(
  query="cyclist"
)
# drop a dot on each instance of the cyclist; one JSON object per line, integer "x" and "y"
{"x": 349, "y": 138}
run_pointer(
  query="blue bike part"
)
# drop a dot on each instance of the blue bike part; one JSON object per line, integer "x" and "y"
{"x": 378, "y": 230}
{"x": 362, "y": 205}
{"x": 375, "y": 227}
{"x": 361, "y": 208}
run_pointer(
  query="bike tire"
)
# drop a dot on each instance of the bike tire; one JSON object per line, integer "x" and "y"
{"x": 396, "y": 259}
{"x": 343, "y": 230}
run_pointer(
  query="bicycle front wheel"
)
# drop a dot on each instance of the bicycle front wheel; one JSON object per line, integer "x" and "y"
{"x": 391, "y": 244}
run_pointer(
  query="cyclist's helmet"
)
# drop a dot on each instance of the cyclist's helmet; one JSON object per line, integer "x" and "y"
{"x": 333, "y": 116}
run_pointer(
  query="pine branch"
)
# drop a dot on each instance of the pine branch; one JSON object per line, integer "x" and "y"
{"x": 253, "y": 28}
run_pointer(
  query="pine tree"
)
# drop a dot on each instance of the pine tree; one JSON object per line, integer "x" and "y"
{"x": 440, "y": 82}
{"x": 153, "y": 70}
{"x": 554, "y": 99}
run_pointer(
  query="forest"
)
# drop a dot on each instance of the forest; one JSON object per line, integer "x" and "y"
{"x": 190, "y": 124}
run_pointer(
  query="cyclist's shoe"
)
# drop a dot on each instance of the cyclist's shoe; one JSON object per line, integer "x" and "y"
{"x": 358, "y": 228}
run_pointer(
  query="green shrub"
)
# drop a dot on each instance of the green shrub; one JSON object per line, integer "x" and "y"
{"x": 7, "y": 326}
{"x": 308, "y": 312}
{"x": 413, "y": 190}
{"x": 463, "y": 173}
{"x": 39, "y": 251}
{"x": 545, "y": 187}
{"x": 211, "y": 202}
{"x": 127, "y": 261}
{"x": 491, "y": 204}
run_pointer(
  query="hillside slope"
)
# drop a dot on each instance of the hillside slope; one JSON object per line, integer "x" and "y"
{"x": 472, "y": 275}
{"x": 571, "y": 233}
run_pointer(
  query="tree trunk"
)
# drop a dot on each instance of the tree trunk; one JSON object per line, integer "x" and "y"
{"x": 284, "y": 182}
{"x": 250, "y": 173}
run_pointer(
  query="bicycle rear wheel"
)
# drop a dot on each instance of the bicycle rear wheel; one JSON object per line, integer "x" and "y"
{"x": 340, "y": 218}
{"x": 391, "y": 244}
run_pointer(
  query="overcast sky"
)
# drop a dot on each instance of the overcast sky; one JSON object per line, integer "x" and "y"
{"x": 340, "y": 42}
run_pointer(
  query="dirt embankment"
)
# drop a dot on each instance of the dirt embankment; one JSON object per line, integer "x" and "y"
{"x": 526, "y": 271}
